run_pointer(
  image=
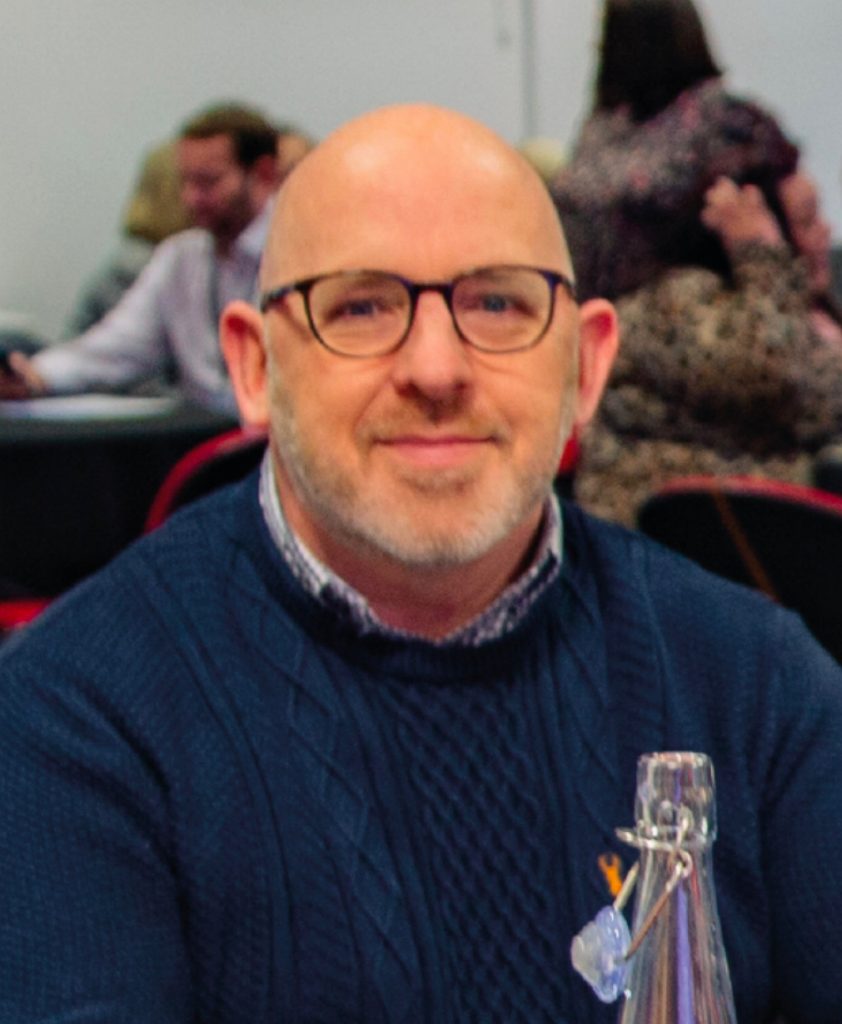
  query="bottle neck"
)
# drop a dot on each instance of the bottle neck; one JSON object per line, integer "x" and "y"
{"x": 678, "y": 972}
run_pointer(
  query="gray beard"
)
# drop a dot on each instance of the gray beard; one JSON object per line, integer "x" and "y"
{"x": 365, "y": 524}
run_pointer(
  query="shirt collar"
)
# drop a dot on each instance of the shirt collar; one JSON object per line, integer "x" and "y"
{"x": 252, "y": 239}
{"x": 330, "y": 590}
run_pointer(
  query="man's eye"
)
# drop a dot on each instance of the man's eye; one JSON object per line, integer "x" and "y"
{"x": 490, "y": 303}
{"x": 360, "y": 307}
{"x": 494, "y": 303}
{"x": 356, "y": 308}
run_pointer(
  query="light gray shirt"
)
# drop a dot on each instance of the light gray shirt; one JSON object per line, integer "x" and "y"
{"x": 169, "y": 317}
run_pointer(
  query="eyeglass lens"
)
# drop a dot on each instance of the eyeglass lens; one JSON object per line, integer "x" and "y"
{"x": 498, "y": 308}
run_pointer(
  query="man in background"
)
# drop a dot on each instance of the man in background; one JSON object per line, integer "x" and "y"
{"x": 167, "y": 322}
{"x": 154, "y": 211}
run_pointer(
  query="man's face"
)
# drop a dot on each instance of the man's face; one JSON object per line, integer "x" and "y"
{"x": 215, "y": 188}
{"x": 435, "y": 453}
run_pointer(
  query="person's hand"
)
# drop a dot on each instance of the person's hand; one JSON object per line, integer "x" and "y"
{"x": 19, "y": 378}
{"x": 739, "y": 214}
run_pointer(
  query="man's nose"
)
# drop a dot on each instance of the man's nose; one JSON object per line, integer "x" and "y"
{"x": 433, "y": 357}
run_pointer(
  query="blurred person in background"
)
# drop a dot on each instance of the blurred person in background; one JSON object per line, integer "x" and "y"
{"x": 293, "y": 146}
{"x": 546, "y": 154}
{"x": 153, "y": 212}
{"x": 810, "y": 234}
{"x": 836, "y": 271}
{"x": 166, "y": 322}
{"x": 662, "y": 129}
{"x": 733, "y": 370}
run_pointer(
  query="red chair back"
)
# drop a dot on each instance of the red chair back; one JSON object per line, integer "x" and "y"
{"x": 16, "y": 612}
{"x": 223, "y": 459}
{"x": 566, "y": 472}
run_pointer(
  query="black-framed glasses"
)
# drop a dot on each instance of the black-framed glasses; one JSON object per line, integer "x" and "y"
{"x": 363, "y": 313}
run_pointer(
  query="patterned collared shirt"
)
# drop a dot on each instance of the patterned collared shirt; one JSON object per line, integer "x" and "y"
{"x": 501, "y": 616}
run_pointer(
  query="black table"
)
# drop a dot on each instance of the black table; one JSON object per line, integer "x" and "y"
{"x": 74, "y": 492}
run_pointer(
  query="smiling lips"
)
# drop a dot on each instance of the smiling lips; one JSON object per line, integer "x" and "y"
{"x": 443, "y": 450}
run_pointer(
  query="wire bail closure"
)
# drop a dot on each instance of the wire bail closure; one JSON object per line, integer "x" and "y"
{"x": 682, "y": 868}
{"x": 602, "y": 951}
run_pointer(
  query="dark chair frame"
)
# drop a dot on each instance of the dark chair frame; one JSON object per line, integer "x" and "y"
{"x": 222, "y": 459}
{"x": 783, "y": 539}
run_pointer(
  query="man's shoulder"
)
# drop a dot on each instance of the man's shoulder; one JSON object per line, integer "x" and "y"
{"x": 176, "y": 264}
{"x": 672, "y": 628}
{"x": 190, "y": 242}
{"x": 198, "y": 541}
{"x": 674, "y": 594}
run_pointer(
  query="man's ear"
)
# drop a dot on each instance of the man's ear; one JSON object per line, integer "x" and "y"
{"x": 241, "y": 336}
{"x": 598, "y": 341}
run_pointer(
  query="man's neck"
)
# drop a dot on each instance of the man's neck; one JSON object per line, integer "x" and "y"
{"x": 223, "y": 243}
{"x": 431, "y": 602}
{"x": 225, "y": 238}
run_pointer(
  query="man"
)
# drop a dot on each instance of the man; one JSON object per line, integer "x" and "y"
{"x": 349, "y": 741}
{"x": 168, "y": 319}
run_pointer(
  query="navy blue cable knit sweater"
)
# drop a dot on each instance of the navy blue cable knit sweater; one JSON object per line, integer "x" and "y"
{"x": 221, "y": 805}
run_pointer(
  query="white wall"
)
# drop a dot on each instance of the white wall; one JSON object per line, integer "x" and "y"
{"x": 88, "y": 84}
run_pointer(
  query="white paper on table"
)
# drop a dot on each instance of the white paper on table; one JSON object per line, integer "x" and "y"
{"x": 88, "y": 407}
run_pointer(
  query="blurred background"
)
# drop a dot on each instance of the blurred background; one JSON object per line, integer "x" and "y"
{"x": 89, "y": 84}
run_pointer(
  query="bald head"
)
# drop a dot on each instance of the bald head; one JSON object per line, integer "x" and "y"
{"x": 412, "y": 180}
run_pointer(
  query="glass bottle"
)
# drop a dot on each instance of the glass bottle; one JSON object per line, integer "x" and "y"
{"x": 678, "y": 973}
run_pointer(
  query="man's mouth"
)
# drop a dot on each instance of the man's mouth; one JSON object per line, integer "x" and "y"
{"x": 437, "y": 451}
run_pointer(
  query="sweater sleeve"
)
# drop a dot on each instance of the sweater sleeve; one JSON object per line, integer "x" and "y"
{"x": 799, "y": 753}
{"x": 91, "y": 929}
